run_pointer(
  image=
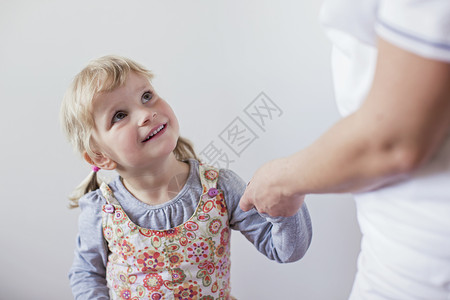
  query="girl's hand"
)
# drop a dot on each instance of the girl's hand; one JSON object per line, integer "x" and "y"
{"x": 270, "y": 190}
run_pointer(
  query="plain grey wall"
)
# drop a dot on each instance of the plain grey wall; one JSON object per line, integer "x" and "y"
{"x": 211, "y": 59}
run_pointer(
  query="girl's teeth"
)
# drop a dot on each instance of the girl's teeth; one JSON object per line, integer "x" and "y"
{"x": 155, "y": 132}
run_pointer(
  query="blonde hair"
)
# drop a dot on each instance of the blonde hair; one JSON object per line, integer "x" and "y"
{"x": 100, "y": 75}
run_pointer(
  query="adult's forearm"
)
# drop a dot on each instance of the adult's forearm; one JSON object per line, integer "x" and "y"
{"x": 403, "y": 121}
{"x": 400, "y": 125}
{"x": 345, "y": 159}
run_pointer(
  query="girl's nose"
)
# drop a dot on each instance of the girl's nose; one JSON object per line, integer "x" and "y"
{"x": 147, "y": 117}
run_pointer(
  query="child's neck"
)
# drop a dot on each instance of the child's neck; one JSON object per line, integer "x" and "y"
{"x": 160, "y": 183}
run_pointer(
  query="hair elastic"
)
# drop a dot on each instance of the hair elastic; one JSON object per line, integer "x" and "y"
{"x": 95, "y": 169}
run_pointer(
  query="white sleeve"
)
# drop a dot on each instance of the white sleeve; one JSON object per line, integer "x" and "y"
{"x": 418, "y": 26}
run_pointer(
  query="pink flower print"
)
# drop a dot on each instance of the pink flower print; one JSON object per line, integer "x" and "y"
{"x": 126, "y": 249}
{"x": 220, "y": 204}
{"x": 211, "y": 174}
{"x": 223, "y": 267}
{"x": 198, "y": 251}
{"x": 187, "y": 291}
{"x": 153, "y": 282}
{"x": 119, "y": 216}
{"x": 225, "y": 236}
{"x": 125, "y": 293}
{"x": 150, "y": 261}
{"x": 175, "y": 259}
{"x": 214, "y": 226}
{"x": 172, "y": 233}
{"x": 156, "y": 296}
{"x": 178, "y": 276}
{"x": 220, "y": 250}
{"x": 108, "y": 233}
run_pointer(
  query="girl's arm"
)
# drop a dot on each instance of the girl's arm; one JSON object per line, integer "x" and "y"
{"x": 401, "y": 124}
{"x": 281, "y": 239}
{"x": 88, "y": 273}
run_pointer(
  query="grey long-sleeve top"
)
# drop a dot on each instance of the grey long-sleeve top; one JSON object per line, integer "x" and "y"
{"x": 280, "y": 239}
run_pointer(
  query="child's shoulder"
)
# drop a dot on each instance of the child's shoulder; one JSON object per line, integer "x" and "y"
{"x": 92, "y": 199}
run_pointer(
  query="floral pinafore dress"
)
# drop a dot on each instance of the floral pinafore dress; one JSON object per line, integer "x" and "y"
{"x": 190, "y": 261}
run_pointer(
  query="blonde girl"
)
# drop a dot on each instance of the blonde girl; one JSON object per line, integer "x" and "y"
{"x": 161, "y": 228}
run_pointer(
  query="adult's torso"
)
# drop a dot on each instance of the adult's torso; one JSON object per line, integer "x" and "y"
{"x": 405, "y": 250}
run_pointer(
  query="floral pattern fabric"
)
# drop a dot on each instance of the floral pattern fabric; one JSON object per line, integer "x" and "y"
{"x": 189, "y": 262}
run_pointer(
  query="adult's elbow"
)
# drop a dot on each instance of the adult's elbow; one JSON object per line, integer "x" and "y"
{"x": 407, "y": 159}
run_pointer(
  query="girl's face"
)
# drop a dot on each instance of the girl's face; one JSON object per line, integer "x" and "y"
{"x": 134, "y": 127}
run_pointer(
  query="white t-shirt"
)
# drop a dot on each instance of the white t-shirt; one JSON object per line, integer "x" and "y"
{"x": 405, "y": 248}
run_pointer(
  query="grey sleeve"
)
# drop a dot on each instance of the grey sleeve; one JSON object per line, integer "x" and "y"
{"x": 283, "y": 239}
{"x": 87, "y": 275}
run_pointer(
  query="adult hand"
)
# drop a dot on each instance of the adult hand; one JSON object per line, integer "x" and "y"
{"x": 270, "y": 190}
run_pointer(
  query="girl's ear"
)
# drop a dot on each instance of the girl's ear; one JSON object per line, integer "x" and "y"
{"x": 100, "y": 161}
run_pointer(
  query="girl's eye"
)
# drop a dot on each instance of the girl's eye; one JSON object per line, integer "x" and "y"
{"x": 147, "y": 96}
{"x": 118, "y": 116}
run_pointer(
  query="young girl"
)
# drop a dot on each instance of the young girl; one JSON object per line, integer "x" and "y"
{"x": 161, "y": 229}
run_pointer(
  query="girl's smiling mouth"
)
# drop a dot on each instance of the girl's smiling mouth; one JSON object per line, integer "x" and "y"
{"x": 155, "y": 131}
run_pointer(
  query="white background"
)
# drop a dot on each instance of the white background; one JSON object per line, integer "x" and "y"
{"x": 211, "y": 59}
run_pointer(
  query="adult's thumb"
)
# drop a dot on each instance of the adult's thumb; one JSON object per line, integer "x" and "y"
{"x": 245, "y": 203}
